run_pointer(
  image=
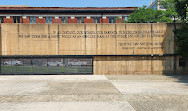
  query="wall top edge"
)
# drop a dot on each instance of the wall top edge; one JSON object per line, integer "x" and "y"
{"x": 83, "y": 23}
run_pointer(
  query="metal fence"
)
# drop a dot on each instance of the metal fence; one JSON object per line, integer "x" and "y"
{"x": 46, "y": 65}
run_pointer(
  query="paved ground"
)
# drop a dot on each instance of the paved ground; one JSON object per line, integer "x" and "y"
{"x": 94, "y": 93}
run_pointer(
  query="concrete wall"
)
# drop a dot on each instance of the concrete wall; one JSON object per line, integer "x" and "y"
{"x": 138, "y": 65}
{"x": 131, "y": 46}
{"x": 87, "y": 39}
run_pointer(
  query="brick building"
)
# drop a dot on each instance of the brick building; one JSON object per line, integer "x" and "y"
{"x": 37, "y": 15}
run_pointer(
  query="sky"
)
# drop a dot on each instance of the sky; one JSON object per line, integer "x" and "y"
{"x": 77, "y": 3}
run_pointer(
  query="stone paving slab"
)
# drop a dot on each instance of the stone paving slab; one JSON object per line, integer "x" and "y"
{"x": 22, "y": 88}
{"x": 115, "y": 93}
{"x": 81, "y": 88}
{"x": 53, "y": 77}
{"x": 151, "y": 87}
{"x": 174, "y": 78}
{"x": 159, "y": 102}
{"x": 67, "y": 106}
{"x": 60, "y": 98}
{"x": 57, "y": 88}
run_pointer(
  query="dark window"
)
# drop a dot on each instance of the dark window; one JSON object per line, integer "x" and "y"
{"x": 32, "y": 19}
{"x": 112, "y": 19}
{"x": 1, "y": 19}
{"x": 48, "y": 19}
{"x": 80, "y": 19}
{"x": 16, "y": 19}
{"x": 182, "y": 62}
{"x": 64, "y": 19}
{"x": 96, "y": 19}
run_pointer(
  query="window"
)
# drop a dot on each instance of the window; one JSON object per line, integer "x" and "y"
{"x": 80, "y": 19}
{"x": 64, "y": 20}
{"x": 182, "y": 62}
{"x": 112, "y": 19}
{"x": 161, "y": 7}
{"x": 1, "y": 19}
{"x": 155, "y": 6}
{"x": 126, "y": 18}
{"x": 96, "y": 19}
{"x": 16, "y": 19}
{"x": 48, "y": 19}
{"x": 32, "y": 19}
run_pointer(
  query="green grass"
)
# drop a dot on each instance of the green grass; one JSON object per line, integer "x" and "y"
{"x": 44, "y": 69}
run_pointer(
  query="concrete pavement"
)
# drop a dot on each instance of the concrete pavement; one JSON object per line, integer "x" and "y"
{"x": 94, "y": 93}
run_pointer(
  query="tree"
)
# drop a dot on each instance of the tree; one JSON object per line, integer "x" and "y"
{"x": 181, "y": 35}
{"x": 181, "y": 7}
{"x": 182, "y": 40}
{"x": 169, "y": 5}
{"x": 176, "y": 8}
{"x": 146, "y": 15}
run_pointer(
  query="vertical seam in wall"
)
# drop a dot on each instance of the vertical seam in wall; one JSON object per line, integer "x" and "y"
{"x": 85, "y": 37}
{"x": 58, "y": 37}
{"x": 18, "y": 38}
{"x": 116, "y": 58}
{"x": 125, "y": 32}
{"x": 152, "y": 38}
{"x": 123, "y": 53}
{"x": 96, "y": 42}
{"x": 0, "y": 41}
{"x": 175, "y": 57}
{"x": 92, "y": 65}
{"x": 116, "y": 37}
{"x": 0, "y": 46}
{"x": 29, "y": 44}
{"x": 95, "y": 63}
{"x": 152, "y": 50}
{"x": 49, "y": 38}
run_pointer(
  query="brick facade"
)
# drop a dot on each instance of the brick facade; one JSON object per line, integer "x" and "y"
{"x": 26, "y": 20}
{"x": 8, "y": 20}
{"x": 88, "y": 20}
{"x": 56, "y": 20}
{"x": 120, "y": 20}
{"x": 70, "y": 20}
{"x": 105, "y": 20}
{"x": 40, "y": 20}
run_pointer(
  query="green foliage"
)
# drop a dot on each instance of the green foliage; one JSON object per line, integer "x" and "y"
{"x": 181, "y": 36}
{"x": 176, "y": 8}
{"x": 181, "y": 7}
{"x": 169, "y": 5}
{"x": 146, "y": 15}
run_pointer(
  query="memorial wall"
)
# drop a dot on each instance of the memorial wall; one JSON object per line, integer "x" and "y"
{"x": 116, "y": 48}
{"x": 86, "y": 39}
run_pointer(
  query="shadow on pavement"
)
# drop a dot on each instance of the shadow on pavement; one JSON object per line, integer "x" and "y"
{"x": 181, "y": 78}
